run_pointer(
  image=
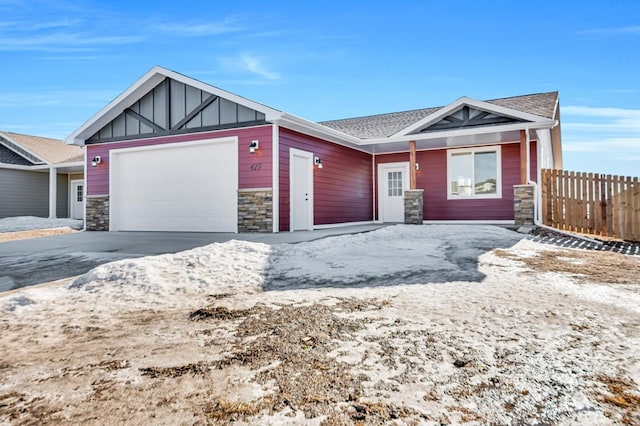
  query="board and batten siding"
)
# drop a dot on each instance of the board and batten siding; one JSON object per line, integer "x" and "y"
{"x": 342, "y": 188}
{"x": 254, "y": 170}
{"x": 26, "y": 193}
{"x": 432, "y": 177}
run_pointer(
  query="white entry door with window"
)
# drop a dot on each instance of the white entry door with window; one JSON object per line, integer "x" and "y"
{"x": 301, "y": 189}
{"x": 76, "y": 195}
{"x": 393, "y": 180}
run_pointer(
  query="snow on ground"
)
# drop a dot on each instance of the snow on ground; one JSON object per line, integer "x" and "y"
{"x": 26, "y": 223}
{"x": 404, "y": 325}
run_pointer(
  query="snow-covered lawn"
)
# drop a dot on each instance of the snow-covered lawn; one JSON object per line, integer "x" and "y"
{"x": 26, "y": 223}
{"x": 403, "y": 325}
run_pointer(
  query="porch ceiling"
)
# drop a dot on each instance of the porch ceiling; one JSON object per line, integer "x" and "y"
{"x": 71, "y": 169}
{"x": 449, "y": 141}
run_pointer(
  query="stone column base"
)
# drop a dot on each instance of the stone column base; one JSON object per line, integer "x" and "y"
{"x": 255, "y": 210}
{"x": 524, "y": 205}
{"x": 413, "y": 206}
{"x": 97, "y": 213}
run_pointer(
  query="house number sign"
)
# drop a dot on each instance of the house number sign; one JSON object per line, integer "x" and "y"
{"x": 254, "y": 167}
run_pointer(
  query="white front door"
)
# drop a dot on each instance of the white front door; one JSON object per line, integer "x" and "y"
{"x": 393, "y": 180}
{"x": 301, "y": 189}
{"x": 76, "y": 196}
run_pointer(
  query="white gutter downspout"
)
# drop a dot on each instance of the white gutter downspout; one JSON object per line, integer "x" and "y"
{"x": 537, "y": 218}
{"x": 537, "y": 213}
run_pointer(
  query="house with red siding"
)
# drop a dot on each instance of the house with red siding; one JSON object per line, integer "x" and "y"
{"x": 172, "y": 153}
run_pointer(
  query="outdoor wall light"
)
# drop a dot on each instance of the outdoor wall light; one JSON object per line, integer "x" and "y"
{"x": 255, "y": 144}
{"x": 417, "y": 166}
{"x": 318, "y": 162}
{"x": 95, "y": 161}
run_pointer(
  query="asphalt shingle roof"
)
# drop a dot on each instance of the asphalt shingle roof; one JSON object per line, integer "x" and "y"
{"x": 53, "y": 151}
{"x": 384, "y": 125}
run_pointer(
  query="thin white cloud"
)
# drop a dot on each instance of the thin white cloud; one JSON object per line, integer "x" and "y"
{"x": 247, "y": 63}
{"x": 597, "y": 138}
{"x": 623, "y": 126}
{"x": 202, "y": 29}
{"x": 75, "y": 57}
{"x": 627, "y": 145}
{"x": 255, "y": 65}
{"x": 621, "y": 91}
{"x": 607, "y": 112}
{"x": 630, "y": 30}
{"x": 56, "y": 98}
{"x": 602, "y": 122}
{"x": 62, "y": 41}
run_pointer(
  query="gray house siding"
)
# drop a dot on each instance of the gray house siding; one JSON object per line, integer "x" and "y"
{"x": 26, "y": 193}
{"x": 23, "y": 193}
{"x": 62, "y": 196}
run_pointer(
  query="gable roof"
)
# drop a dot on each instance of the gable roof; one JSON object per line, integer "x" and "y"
{"x": 385, "y": 125}
{"x": 9, "y": 156}
{"x": 43, "y": 150}
{"x": 374, "y": 133}
{"x": 142, "y": 87}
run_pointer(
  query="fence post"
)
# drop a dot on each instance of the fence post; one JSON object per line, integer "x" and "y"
{"x": 609, "y": 216}
{"x": 557, "y": 198}
{"x": 636, "y": 210}
{"x": 628, "y": 210}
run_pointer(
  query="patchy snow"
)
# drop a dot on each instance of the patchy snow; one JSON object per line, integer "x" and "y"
{"x": 533, "y": 346}
{"x": 392, "y": 255}
{"x": 26, "y": 223}
{"x": 233, "y": 266}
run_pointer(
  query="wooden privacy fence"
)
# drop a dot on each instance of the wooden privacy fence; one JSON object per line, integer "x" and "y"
{"x": 591, "y": 203}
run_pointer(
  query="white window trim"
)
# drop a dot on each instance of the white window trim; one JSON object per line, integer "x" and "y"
{"x": 494, "y": 148}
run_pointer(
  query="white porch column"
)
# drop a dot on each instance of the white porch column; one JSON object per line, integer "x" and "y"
{"x": 53, "y": 190}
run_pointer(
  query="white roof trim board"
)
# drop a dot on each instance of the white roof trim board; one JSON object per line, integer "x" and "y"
{"x": 152, "y": 78}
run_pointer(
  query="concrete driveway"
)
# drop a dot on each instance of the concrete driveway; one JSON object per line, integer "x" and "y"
{"x": 39, "y": 260}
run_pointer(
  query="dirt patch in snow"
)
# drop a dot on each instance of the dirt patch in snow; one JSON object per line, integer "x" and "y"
{"x": 192, "y": 338}
{"x": 582, "y": 265}
{"x": 289, "y": 346}
{"x": 38, "y": 233}
{"x": 623, "y": 394}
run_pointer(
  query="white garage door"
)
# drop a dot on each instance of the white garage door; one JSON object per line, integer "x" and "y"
{"x": 190, "y": 186}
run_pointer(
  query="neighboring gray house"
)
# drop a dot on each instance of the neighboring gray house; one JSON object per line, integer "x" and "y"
{"x": 40, "y": 177}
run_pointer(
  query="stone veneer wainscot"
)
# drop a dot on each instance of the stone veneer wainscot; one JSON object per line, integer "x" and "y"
{"x": 97, "y": 215}
{"x": 255, "y": 210}
{"x": 413, "y": 206}
{"x": 523, "y": 204}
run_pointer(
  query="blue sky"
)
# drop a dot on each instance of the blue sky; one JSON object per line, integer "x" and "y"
{"x": 63, "y": 60}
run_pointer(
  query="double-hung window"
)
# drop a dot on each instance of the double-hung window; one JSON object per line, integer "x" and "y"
{"x": 474, "y": 173}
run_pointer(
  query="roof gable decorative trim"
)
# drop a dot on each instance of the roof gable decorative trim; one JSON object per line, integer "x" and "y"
{"x": 445, "y": 113}
{"x": 146, "y": 84}
{"x": 467, "y": 117}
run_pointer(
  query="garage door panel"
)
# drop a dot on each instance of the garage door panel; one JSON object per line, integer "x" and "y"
{"x": 169, "y": 208}
{"x": 195, "y": 224}
{"x": 176, "y": 187}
